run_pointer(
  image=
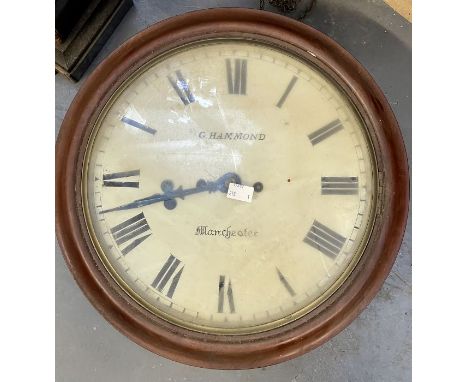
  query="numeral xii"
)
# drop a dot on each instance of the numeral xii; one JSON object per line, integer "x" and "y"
{"x": 236, "y": 76}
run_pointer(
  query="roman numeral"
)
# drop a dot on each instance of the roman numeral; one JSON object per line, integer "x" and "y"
{"x": 108, "y": 179}
{"x": 326, "y": 131}
{"x": 138, "y": 125}
{"x": 285, "y": 283}
{"x": 325, "y": 240}
{"x": 287, "y": 91}
{"x": 181, "y": 87}
{"x": 166, "y": 274}
{"x": 131, "y": 229}
{"x": 237, "y": 81}
{"x": 222, "y": 291}
{"x": 337, "y": 185}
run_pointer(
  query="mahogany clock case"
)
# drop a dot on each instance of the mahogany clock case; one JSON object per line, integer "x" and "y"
{"x": 313, "y": 329}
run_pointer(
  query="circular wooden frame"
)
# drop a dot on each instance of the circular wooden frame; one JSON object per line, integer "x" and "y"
{"x": 316, "y": 327}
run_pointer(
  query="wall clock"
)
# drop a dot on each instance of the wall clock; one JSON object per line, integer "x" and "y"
{"x": 231, "y": 188}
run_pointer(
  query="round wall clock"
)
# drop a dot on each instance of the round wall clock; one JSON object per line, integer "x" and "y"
{"x": 232, "y": 188}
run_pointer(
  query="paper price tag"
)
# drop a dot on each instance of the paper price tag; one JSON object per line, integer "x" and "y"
{"x": 240, "y": 192}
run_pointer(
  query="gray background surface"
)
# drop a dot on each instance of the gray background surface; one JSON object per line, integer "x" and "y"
{"x": 376, "y": 346}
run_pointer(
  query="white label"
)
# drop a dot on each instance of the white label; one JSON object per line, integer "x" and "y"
{"x": 240, "y": 192}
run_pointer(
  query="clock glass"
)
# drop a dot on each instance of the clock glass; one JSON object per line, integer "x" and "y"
{"x": 166, "y": 219}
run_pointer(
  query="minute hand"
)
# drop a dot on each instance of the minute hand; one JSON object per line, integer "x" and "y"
{"x": 169, "y": 195}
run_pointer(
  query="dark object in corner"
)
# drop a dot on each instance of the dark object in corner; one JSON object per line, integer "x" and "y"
{"x": 81, "y": 29}
{"x": 67, "y": 13}
{"x": 297, "y": 9}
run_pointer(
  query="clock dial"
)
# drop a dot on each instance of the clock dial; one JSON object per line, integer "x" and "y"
{"x": 159, "y": 164}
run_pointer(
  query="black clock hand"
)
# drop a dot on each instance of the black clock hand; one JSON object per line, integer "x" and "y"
{"x": 169, "y": 194}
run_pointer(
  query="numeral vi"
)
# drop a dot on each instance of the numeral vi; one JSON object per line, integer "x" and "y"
{"x": 225, "y": 290}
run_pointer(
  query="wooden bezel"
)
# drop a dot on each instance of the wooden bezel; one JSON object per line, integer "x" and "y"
{"x": 307, "y": 332}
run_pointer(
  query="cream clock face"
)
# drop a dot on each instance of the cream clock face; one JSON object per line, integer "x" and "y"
{"x": 160, "y": 171}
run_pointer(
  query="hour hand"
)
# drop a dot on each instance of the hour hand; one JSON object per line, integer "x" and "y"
{"x": 169, "y": 195}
